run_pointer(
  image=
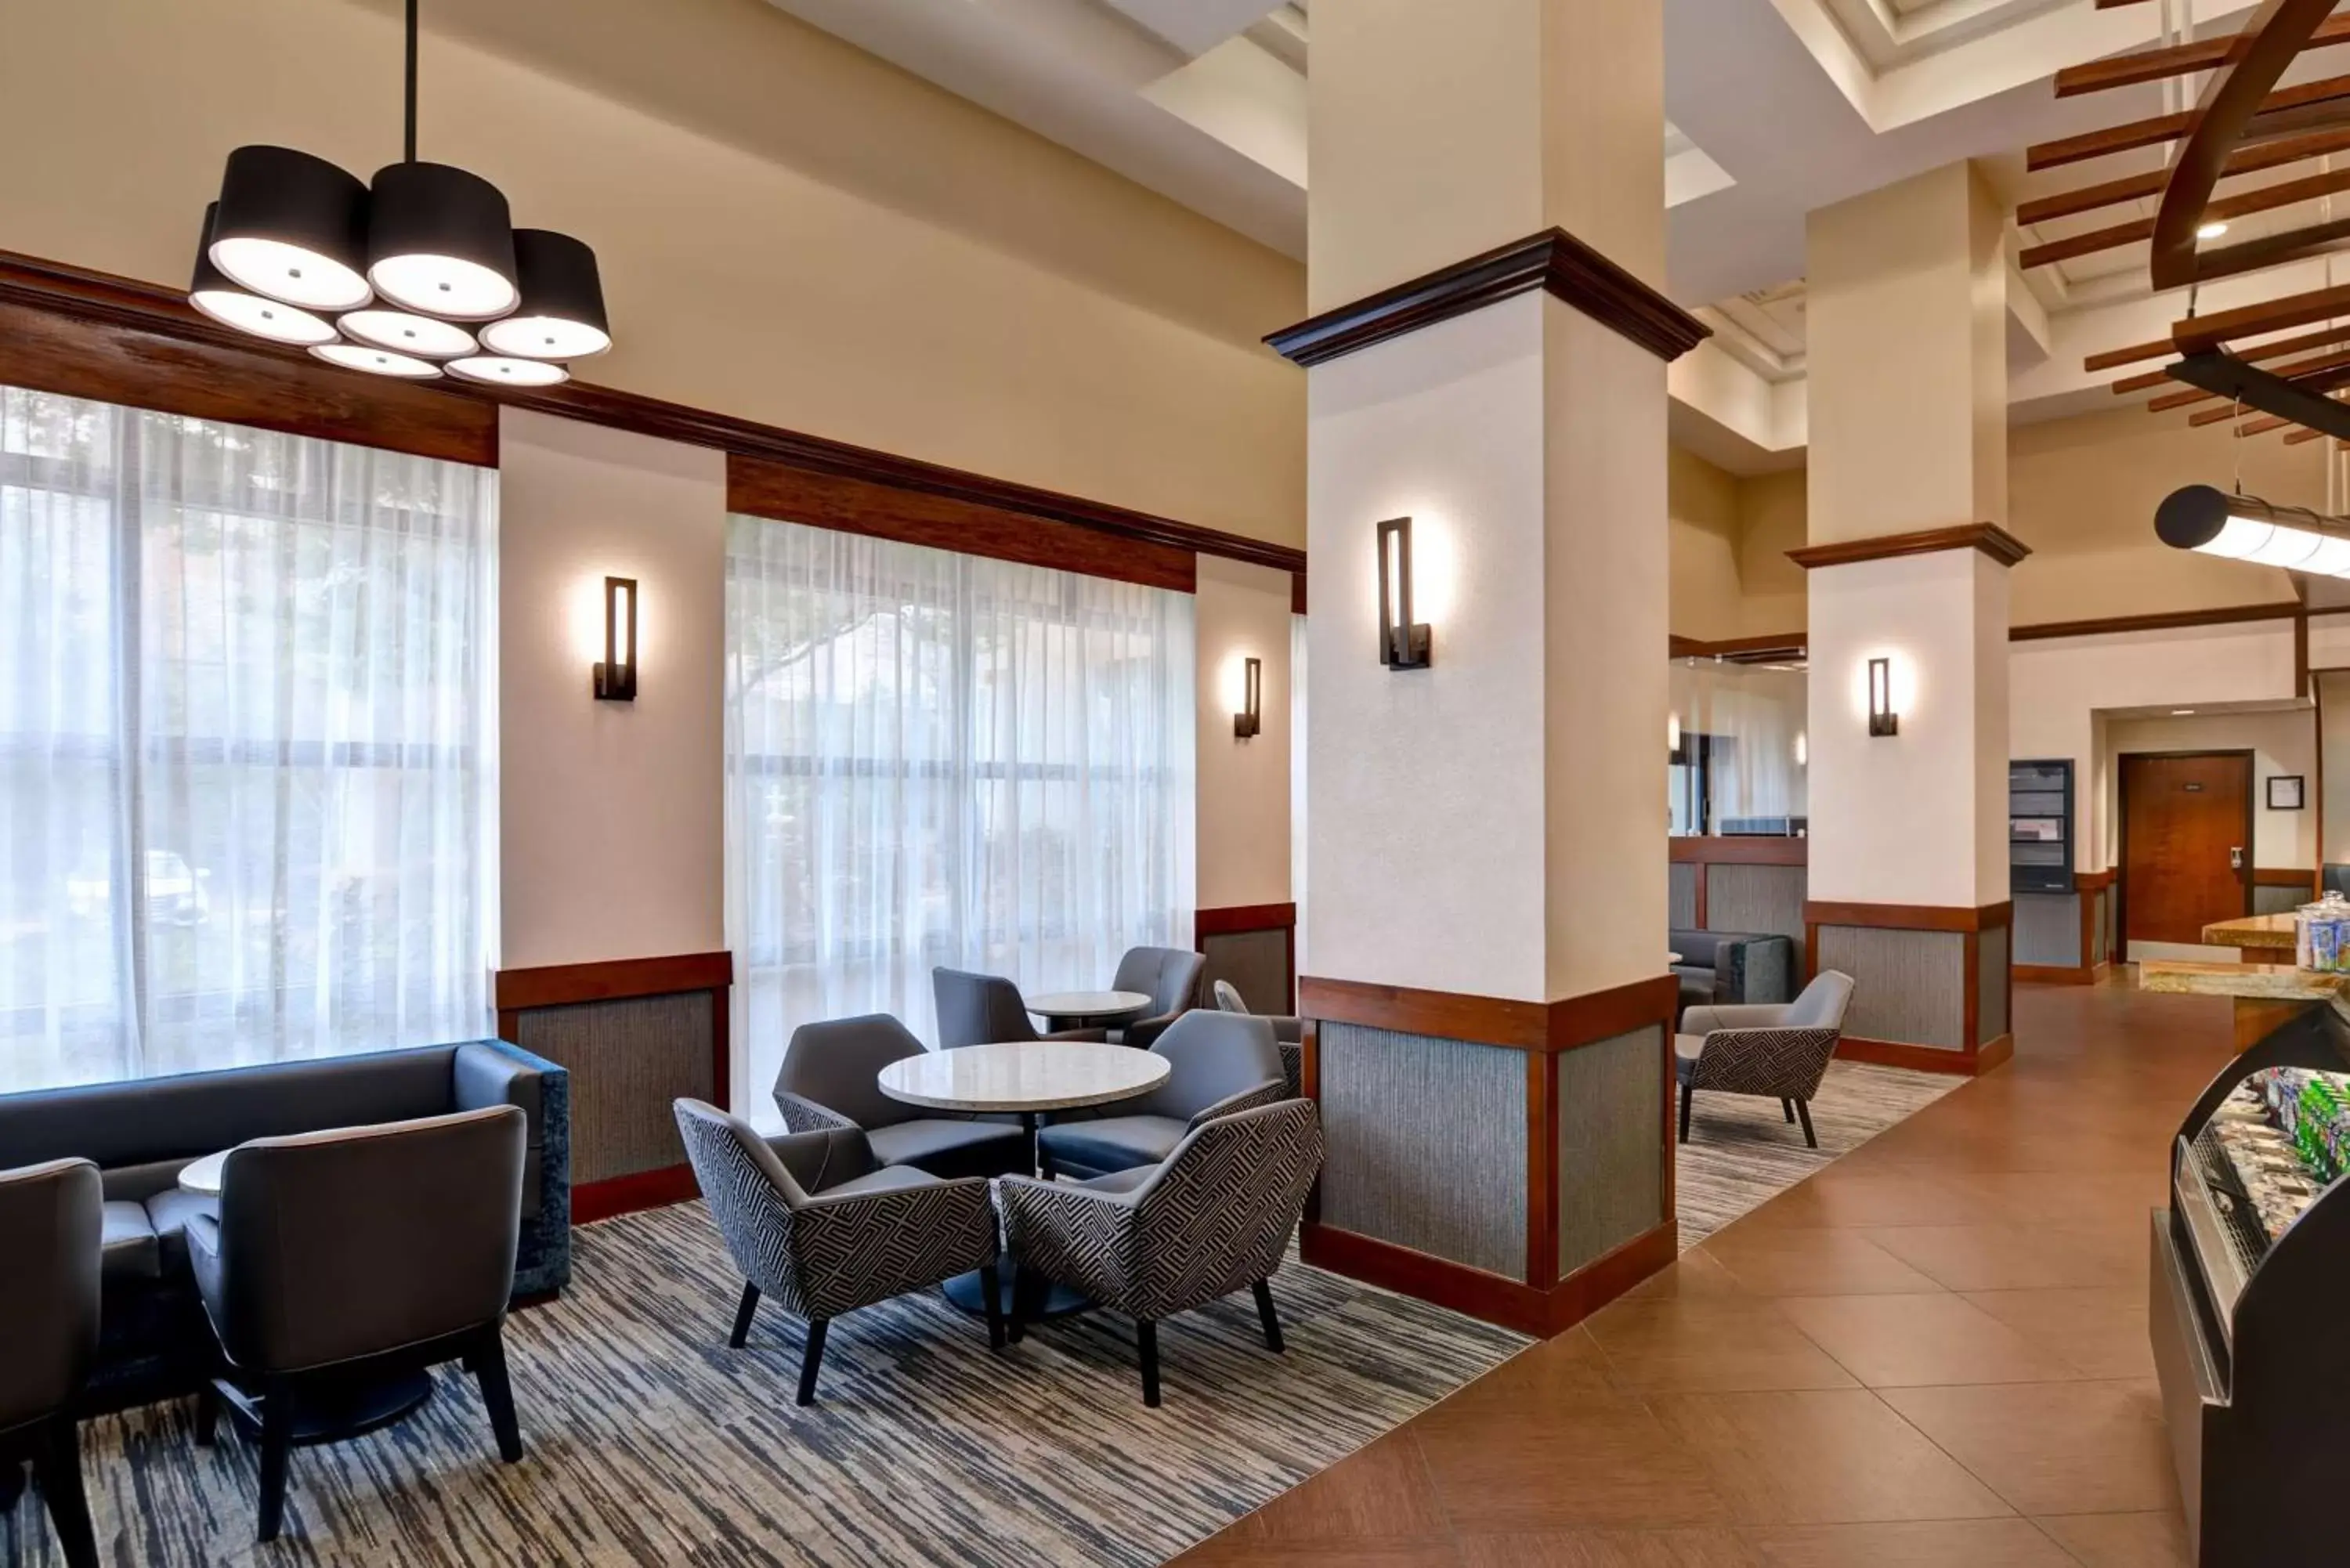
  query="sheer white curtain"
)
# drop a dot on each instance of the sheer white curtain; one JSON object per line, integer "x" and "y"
{"x": 938, "y": 759}
{"x": 1742, "y": 732}
{"x": 248, "y": 777}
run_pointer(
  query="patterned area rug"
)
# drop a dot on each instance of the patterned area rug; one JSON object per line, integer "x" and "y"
{"x": 1741, "y": 1151}
{"x": 649, "y": 1442}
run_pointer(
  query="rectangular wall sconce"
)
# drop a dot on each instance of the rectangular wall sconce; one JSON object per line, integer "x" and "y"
{"x": 616, "y": 674}
{"x": 1250, "y": 721}
{"x": 1882, "y": 719}
{"x": 1403, "y": 644}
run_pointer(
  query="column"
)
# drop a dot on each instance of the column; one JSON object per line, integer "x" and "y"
{"x": 1909, "y": 562}
{"x": 1492, "y": 1010}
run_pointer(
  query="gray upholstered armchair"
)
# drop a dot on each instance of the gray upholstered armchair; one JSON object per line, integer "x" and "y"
{"x": 364, "y": 1255}
{"x": 1288, "y": 1032}
{"x": 828, "y": 1082}
{"x": 1217, "y": 1062}
{"x": 49, "y": 1224}
{"x": 1167, "y": 1238}
{"x": 1169, "y": 977}
{"x": 1777, "y": 1049}
{"x": 812, "y": 1223}
{"x": 987, "y": 1010}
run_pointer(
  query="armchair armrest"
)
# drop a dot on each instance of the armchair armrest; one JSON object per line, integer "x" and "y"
{"x": 1705, "y": 1019}
{"x": 1271, "y": 1092}
{"x": 853, "y": 1248}
{"x": 825, "y": 1158}
{"x": 1781, "y": 1062}
{"x": 802, "y": 1115}
{"x": 487, "y": 1073}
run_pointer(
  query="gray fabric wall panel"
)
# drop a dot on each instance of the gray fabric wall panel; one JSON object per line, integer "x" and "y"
{"x": 1758, "y": 899}
{"x": 1991, "y": 984}
{"x": 1680, "y": 897}
{"x": 2048, "y": 928}
{"x": 2278, "y": 900}
{"x": 1907, "y": 986}
{"x": 1255, "y": 962}
{"x": 1611, "y": 1116}
{"x": 1427, "y": 1143}
{"x": 628, "y": 1060}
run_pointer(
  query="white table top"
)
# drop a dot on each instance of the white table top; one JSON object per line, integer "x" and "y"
{"x": 1087, "y": 1003}
{"x": 1026, "y": 1075}
{"x": 202, "y": 1176}
{"x": 1671, "y": 956}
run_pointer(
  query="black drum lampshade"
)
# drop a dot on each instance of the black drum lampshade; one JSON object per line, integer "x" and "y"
{"x": 561, "y": 312}
{"x": 440, "y": 241}
{"x": 217, "y": 295}
{"x": 293, "y": 228}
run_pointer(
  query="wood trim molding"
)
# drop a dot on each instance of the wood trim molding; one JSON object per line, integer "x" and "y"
{"x": 611, "y": 980}
{"x": 1909, "y": 917}
{"x": 1992, "y": 540}
{"x": 1546, "y": 1027}
{"x": 90, "y": 334}
{"x": 1713, "y": 849}
{"x": 2167, "y": 620}
{"x": 2283, "y": 876}
{"x": 1792, "y": 643}
{"x": 1495, "y": 1298}
{"x": 1928, "y": 1058}
{"x": 1239, "y": 920}
{"x": 762, "y": 487}
{"x": 1553, "y": 260}
{"x": 2091, "y": 881}
{"x": 1297, "y": 592}
{"x": 594, "y": 1200}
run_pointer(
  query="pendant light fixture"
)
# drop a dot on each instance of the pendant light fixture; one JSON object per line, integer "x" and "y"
{"x": 419, "y": 271}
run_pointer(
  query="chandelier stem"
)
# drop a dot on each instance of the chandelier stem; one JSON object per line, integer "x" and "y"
{"x": 409, "y": 145}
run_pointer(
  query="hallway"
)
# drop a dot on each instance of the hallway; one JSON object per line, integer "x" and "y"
{"x": 1932, "y": 1353}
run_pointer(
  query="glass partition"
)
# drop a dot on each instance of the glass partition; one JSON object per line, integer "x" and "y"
{"x": 1739, "y": 748}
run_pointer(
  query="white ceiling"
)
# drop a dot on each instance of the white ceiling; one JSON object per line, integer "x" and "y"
{"x": 1775, "y": 107}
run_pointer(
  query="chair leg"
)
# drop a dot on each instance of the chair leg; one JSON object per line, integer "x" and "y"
{"x": 57, "y": 1464}
{"x": 207, "y": 1414}
{"x": 1685, "y": 1092}
{"x": 1145, "y": 1336}
{"x": 1024, "y": 1301}
{"x": 12, "y": 1484}
{"x": 1804, "y": 1109}
{"x": 497, "y": 1392}
{"x": 991, "y": 1284}
{"x": 812, "y": 1358}
{"x": 742, "y": 1316}
{"x": 1787, "y": 1109}
{"x": 1268, "y": 1317}
{"x": 276, "y": 1443}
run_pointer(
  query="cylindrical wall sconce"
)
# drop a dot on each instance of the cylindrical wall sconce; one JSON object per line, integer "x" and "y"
{"x": 1673, "y": 734}
{"x": 616, "y": 673}
{"x": 1882, "y": 719}
{"x": 1403, "y": 644}
{"x": 1803, "y": 751}
{"x": 1249, "y": 720}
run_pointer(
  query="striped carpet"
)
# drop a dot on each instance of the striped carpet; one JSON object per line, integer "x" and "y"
{"x": 649, "y": 1442}
{"x": 1741, "y": 1151}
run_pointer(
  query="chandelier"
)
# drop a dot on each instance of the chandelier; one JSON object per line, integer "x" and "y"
{"x": 418, "y": 273}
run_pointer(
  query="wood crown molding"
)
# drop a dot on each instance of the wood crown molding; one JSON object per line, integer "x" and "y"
{"x": 1791, "y": 643}
{"x": 1553, "y": 260}
{"x": 1239, "y": 920}
{"x": 1989, "y": 538}
{"x": 613, "y": 979}
{"x": 1909, "y": 917}
{"x": 1542, "y": 1028}
{"x": 2166, "y": 620}
{"x": 94, "y": 334}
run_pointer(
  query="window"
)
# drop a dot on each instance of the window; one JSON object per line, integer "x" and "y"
{"x": 938, "y": 759}
{"x": 246, "y": 777}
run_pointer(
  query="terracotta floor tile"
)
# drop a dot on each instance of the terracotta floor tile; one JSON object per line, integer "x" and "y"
{"x": 1698, "y": 1272}
{"x": 1833, "y": 1201}
{"x": 2103, "y": 1332}
{"x": 1722, "y": 1344}
{"x": 1605, "y": 1463}
{"x": 1936, "y": 1544}
{"x": 1382, "y": 1491}
{"x": 2018, "y": 1257}
{"x": 1891, "y": 1342}
{"x": 1821, "y": 1458}
{"x": 2054, "y": 1448}
{"x": 1611, "y": 1549}
{"x": 1793, "y": 1261}
{"x": 2124, "y": 1539}
{"x": 1232, "y": 1551}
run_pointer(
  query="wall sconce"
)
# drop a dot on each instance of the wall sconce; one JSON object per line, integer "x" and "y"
{"x": 1673, "y": 733}
{"x": 1882, "y": 719}
{"x": 1803, "y": 751}
{"x": 616, "y": 673}
{"x": 1403, "y": 645}
{"x": 1249, "y": 720}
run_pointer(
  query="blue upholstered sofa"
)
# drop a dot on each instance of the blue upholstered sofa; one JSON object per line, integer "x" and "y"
{"x": 154, "y": 1342}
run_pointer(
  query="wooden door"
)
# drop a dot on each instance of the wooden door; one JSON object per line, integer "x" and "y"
{"x": 2187, "y": 843}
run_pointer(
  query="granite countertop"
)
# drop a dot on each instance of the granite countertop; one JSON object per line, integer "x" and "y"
{"x": 2259, "y": 981}
{"x": 2251, "y": 932}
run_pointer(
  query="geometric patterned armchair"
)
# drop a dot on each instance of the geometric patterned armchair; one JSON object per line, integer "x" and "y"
{"x": 1780, "y": 1050}
{"x": 813, "y": 1222}
{"x": 1164, "y": 1238}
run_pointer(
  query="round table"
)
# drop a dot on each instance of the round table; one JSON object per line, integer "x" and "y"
{"x": 202, "y": 1176}
{"x": 1671, "y": 956}
{"x": 1088, "y": 1008}
{"x": 1029, "y": 1078}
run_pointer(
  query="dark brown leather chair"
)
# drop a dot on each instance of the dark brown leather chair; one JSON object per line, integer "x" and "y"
{"x": 344, "y": 1264}
{"x": 49, "y": 1224}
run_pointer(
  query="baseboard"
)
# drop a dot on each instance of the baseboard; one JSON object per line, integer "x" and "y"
{"x": 1480, "y": 1294}
{"x": 594, "y": 1200}
{"x": 1928, "y": 1058}
{"x": 2054, "y": 974}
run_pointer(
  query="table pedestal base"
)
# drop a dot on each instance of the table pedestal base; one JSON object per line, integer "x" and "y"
{"x": 966, "y": 1293}
{"x": 331, "y": 1412}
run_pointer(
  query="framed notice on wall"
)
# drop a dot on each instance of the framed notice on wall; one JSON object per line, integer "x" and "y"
{"x": 2284, "y": 792}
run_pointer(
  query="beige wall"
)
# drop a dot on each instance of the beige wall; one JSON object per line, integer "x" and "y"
{"x": 1243, "y": 785}
{"x": 1701, "y": 507}
{"x": 612, "y": 844}
{"x": 790, "y": 230}
{"x": 2281, "y": 743}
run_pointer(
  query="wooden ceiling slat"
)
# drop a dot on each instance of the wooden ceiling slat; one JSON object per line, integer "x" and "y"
{"x": 2322, "y": 383}
{"x": 2144, "y": 187}
{"x": 2159, "y": 128}
{"x": 2198, "y": 333}
{"x": 2270, "y": 250}
{"x": 2170, "y": 401}
{"x": 2283, "y": 193}
{"x": 2177, "y": 61}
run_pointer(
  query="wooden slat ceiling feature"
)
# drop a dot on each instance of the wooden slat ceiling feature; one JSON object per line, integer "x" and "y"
{"x": 2177, "y": 60}
{"x": 2187, "y": 398}
{"x": 2320, "y": 381}
{"x": 2156, "y": 130}
{"x": 2199, "y": 334}
{"x": 2268, "y": 198}
{"x": 2141, "y": 187}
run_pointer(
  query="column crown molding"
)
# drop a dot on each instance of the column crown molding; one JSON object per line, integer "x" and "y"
{"x": 1553, "y": 260}
{"x": 1989, "y": 538}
